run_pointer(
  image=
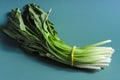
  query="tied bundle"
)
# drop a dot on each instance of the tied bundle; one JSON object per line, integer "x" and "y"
{"x": 34, "y": 32}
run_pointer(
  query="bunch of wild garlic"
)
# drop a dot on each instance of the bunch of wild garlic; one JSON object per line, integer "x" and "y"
{"x": 36, "y": 34}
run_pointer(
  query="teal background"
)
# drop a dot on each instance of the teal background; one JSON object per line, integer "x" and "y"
{"x": 78, "y": 22}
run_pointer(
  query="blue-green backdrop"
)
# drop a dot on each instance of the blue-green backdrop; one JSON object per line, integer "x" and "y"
{"x": 78, "y": 22}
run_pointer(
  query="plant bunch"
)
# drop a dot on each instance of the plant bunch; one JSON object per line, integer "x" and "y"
{"x": 34, "y": 32}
